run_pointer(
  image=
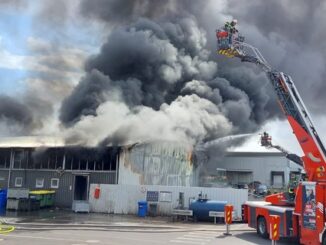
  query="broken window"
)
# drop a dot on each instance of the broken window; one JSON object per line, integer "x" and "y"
{"x": 68, "y": 158}
{"x": 20, "y": 157}
{"x": 38, "y": 158}
{"x": 91, "y": 159}
{"x": 55, "y": 158}
{"x": 5, "y": 157}
{"x": 47, "y": 158}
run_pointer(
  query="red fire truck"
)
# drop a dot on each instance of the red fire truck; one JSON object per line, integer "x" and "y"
{"x": 301, "y": 211}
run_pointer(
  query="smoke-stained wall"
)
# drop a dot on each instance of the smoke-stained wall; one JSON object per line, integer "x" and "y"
{"x": 157, "y": 163}
{"x": 65, "y": 193}
{"x": 30, "y": 164}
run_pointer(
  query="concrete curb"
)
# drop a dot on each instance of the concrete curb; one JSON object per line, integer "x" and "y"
{"x": 120, "y": 228}
{"x": 76, "y": 225}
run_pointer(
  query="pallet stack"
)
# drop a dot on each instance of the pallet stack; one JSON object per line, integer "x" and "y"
{"x": 18, "y": 200}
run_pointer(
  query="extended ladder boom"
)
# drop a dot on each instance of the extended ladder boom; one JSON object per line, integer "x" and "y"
{"x": 231, "y": 44}
{"x": 266, "y": 141}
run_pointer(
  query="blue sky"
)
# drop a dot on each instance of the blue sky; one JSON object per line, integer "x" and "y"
{"x": 11, "y": 80}
{"x": 18, "y": 62}
{"x": 14, "y": 30}
{"x": 15, "y": 27}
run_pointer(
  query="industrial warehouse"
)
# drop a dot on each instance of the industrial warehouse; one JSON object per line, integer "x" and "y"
{"x": 68, "y": 171}
{"x": 74, "y": 172}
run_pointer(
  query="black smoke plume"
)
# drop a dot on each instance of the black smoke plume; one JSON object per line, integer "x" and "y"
{"x": 15, "y": 116}
{"x": 160, "y": 65}
{"x": 156, "y": 74}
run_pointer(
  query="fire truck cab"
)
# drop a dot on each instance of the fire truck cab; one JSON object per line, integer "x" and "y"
{"x": 304, "y": 222}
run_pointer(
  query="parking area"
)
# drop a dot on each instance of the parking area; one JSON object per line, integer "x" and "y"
{"x": 128, "y": 236}
{"x": 67, "y": 228}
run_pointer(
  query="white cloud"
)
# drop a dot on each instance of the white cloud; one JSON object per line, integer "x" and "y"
{"x": 45, "y": 57}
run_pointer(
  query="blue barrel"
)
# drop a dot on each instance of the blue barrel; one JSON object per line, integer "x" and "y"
{"x": 201, "y": 208}
{"x": 142, "y": 208}
{"x": 3, "y": 198}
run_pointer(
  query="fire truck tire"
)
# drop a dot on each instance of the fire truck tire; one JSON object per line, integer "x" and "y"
{"x": 262, "y": 227}
{"x": 323, "y": 242}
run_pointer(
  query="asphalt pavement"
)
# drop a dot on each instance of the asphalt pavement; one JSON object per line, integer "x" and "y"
{"x": 86, "y": 237}
{"x": 65, "y": 227}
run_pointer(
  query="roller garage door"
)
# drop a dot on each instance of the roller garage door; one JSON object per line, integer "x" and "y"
{"x": 239, "y": 177}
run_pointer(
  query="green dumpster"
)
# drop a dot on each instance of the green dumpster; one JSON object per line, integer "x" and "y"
{"x": 46, "y": 197}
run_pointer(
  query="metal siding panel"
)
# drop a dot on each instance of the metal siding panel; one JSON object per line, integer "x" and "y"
{"x": 64, "y": 194}
{"x": 14, "y": 174}
{"x": 156, "y": 163}
{"x": 103, "y": 177}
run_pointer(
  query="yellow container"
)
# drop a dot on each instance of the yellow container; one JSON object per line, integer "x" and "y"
{"x": 41, "y": 192}
{"x": 46, "y": 197}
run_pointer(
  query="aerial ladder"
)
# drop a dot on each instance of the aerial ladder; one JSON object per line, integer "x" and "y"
{"x": 266, "y": 141}
{"x": 303, "y": 219}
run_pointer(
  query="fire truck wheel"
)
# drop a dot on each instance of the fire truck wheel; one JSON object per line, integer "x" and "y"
{"x": 262, "y": 227}
{"x": 324, "y": 240}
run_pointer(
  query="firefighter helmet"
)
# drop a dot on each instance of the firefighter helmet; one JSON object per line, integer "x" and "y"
{"x": 234, "y": 22}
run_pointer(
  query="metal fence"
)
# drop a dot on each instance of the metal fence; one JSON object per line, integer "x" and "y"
{"x": 123, "y": 199}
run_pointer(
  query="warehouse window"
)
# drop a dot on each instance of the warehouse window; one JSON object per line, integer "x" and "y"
{"x": 55, "y": 183}
{"x": 57, "y": 158}
{"x": 18, "y": 182}
{"x": 5, "y": 158}
{"x": 20, "y": 159}
{"x": 47, "y": 158}
{"x": 39, "y": 183}
{"x": 91, "y": 159}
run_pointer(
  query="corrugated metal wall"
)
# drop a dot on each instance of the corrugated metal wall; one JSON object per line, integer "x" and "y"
{"x": 64, "y": 194}
{"x": 157, "y": 163}
{"x": 123, "y": 199}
